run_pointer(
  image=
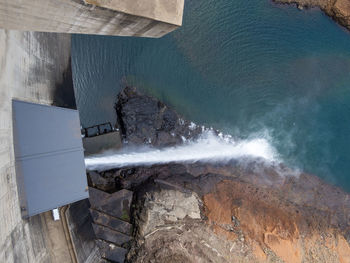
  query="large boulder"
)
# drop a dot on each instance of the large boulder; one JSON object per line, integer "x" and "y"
{"x": 146, "y": 120}
{"x": 167, "y": 206}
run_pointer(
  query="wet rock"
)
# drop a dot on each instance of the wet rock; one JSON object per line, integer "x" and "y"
{"x": 145, "y": 120}
{"x": 339, "y": 10}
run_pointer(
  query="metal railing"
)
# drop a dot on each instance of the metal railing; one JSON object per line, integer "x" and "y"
{"x": 97, "y": 130}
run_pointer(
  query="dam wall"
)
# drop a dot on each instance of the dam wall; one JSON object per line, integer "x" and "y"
{"x": 147, "y": 18}
{"x": 33, "y": 67}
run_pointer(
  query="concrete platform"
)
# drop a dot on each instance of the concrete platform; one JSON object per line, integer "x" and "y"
{"x": 146, "y": 18}
{"x": 97, "y": 144}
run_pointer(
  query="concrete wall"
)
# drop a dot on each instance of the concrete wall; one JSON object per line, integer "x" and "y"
{"x": 36, "y": 67}
{"x": 32, "y": 66}
{"x": 168, "y": 11}
{"x": 109, "y": 141}
{"x": 82, "y": 233}
{"x": 146, "y": 18}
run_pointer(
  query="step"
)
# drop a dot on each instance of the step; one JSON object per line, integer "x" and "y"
{"x": 98, "y": 181}
{"x": 111, "y": 222}
{"x": 116, "y": 204}
{"x": 112, "y": 252}
{"x": 110, "y": 235}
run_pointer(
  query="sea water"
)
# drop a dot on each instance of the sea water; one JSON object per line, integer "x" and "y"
{"x": 252, "y": 69}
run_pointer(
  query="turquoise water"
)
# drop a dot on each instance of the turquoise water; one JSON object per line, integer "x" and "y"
{"x": 249, "y": 68}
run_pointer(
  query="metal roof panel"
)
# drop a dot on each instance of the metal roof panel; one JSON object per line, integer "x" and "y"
{"x": 49, "y": 156}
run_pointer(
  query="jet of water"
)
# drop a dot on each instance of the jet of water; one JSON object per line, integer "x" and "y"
{"x": 208, "y": 147}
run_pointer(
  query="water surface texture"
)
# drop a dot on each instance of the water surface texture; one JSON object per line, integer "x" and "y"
{"x": 249, "y": 68}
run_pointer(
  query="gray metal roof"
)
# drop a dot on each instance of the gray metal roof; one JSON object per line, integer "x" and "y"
{"x": 49, "y": 157}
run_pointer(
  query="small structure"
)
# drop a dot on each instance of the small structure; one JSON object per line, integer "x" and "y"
{"x": 100, "y": 138}
{"x": 49, "y": 157}
{"x": 97, "y": 130}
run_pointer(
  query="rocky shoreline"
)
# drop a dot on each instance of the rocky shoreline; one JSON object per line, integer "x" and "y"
{"x": 338, "y": 10}
{"x": 145, "y": 120}
{"x": 232, "y": 212}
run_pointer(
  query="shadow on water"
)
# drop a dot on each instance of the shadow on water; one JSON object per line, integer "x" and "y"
{"x": 64, "y": 92}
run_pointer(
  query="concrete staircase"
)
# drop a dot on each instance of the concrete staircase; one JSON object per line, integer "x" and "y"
{"x": 111, "y": 222}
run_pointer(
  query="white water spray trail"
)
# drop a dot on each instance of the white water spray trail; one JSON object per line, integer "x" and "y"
{"x": 208, "y": 147}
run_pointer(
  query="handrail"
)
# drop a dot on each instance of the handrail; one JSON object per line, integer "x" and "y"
{"x": 85, "y": 131}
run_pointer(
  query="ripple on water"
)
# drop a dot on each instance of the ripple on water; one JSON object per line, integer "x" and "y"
{"x": 241, "y": 66}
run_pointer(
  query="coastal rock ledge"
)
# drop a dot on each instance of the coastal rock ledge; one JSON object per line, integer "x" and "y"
{"x": 231, "y": 212}
{"x": 338, "y": 10}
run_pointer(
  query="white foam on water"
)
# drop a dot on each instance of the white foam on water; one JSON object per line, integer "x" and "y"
{"x": 208, "y": 147}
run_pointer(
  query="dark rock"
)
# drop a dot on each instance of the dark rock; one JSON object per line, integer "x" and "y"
{"x": 110, "y": 235}
{"x": 112, "y": 252}
{"x": 96, "y": 180}
{"x": 145, "y": 120}
{"x": 111, "y": 222}
{"x": 102, "y": 260}
{"x": 116, "y": 204}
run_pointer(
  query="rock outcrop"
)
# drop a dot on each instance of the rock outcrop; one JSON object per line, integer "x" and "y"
{"x": 110, "y": 214}
{"x": 339, "y": 10}
{"x": 145, "y": 120}
{"x": 234, "y": 212}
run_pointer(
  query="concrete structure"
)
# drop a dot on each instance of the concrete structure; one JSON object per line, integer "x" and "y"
{"x": 34, "y": 67}
{"x": 49, "y": 155}
{"x": 167, "y": 11}
{"x": 146, "y": 18}
{"x": 109, "y": 141}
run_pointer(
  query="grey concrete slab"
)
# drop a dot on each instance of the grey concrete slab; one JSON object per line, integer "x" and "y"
{"x": 75, "y": 16}
{"x": 97, "y": 144}
{"x": 168, "y": 11}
